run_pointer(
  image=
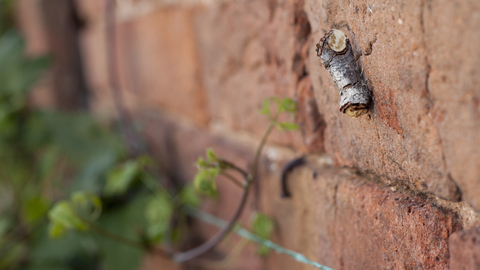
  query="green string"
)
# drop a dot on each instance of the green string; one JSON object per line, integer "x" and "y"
{"x": 213, "y": 220}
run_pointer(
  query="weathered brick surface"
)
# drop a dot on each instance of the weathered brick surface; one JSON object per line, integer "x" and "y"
{"x": 336, "y": 216}
{"x": 465, "y": 249}
{"x": 158, "y": 63}
{"x": 403, "y": 47}
{"x": 311, "y": 122}
{"x": 451, "y": 35}
{"x": 351, "y": 221}
{"x": 250, "y": 51}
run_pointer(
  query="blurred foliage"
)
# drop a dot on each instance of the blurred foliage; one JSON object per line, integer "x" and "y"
{"x": 67, "y": 185}
{"x": 6, "y": 15}
{"x": 71, "y": 197}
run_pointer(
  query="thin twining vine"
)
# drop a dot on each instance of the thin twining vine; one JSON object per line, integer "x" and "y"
{"x": 83, "y": 208}
{"x": 245, "y": 234}
{"x": 210, "y": 168}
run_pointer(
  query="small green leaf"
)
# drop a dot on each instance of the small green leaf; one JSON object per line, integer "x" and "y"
{"x": 262, "y": 226}
{"x": 204, "y": 181}
{"x": 287, "y": 126}
{"x": 211, "y": 156}
{"x": 56, "y": 230}
{"x": 63, "y": 215}
{"x": 288, "y": 105}
{"x": 158, "y": 214}
{"x": 87, "y": 204}
{"x": 266, "y": 107}
{"x": 277, "y": 103}
{"x": 201, "y": 163}
{"x": 189, "y": 197}
{"x": 119, "y": 179}
{"x": 35, "y": 208}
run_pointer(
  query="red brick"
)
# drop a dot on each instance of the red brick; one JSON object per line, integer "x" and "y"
{"x": 451, "y": 35}
{"x": 91, "y": 11}
{"x": 158, "y": 64}
{"x": 337, "y": 217}
{"x": 311, "y": 122}
{"x": 465, "y": 249}
{"x": 247, "y": 53}
{"x": 30, "y": 20}
{"x": 399, "y": 139}
{"x": 347, "y": 220}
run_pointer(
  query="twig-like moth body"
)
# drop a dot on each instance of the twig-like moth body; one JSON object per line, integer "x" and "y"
{"x": 336, "y": 55}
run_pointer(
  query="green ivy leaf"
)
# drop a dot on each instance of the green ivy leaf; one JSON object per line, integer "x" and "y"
{"x": 288, "y": 105}
{"x": 56, "y": 230}
{"x": 277, "y": 103}
{"x": 211, "y": 156}
{"x": 158, "y": 214}
{"x": 201, "y": 163}
{"x": 266, "y": 107}
{"x": 262, "y": 226}
{"x": 35, "y": 208}
{"x": 287, "y": 126}
{"x": 189, "y": 197}
{"x": 87, "y": 204}
{"x": 63, "y": 216}
{"x": 204, "y": 181}
{"x": 119, "y": 179}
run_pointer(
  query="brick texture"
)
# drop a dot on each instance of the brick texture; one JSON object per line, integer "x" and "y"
{"x": 251, "y": 56}
{"x": 348, "y": 220}
{"x": 159, "y": 63}
{"x": 453, "y": 88}
{"x": 407, "y": 137}
{"x": 339, "y": 217}
{"x": 465, "y": 249}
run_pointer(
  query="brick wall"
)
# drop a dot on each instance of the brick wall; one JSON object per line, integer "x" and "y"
{"x": 398, "y": 188}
